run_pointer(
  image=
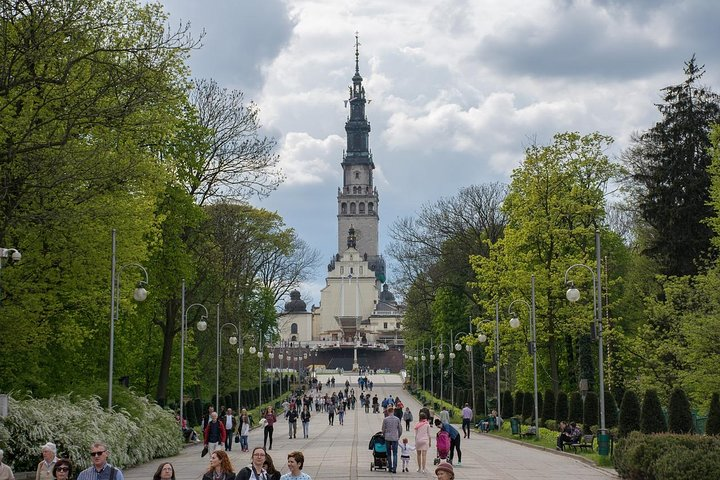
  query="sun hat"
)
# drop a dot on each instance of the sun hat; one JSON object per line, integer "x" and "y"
{"x": 446, "y": 467}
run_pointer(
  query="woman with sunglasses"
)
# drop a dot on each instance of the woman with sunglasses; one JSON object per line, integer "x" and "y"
{"x": 62, "y": 469}
{"x": 220, "y": 467}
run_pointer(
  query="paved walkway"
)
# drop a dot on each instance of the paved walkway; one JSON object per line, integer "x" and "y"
{"x": 341, "y": 452}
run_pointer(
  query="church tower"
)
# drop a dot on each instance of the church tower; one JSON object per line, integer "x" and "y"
{"x": 358, "y": 197}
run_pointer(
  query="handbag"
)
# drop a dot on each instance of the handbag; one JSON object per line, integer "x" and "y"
{"x": 237, "y": 438}
{"x": 204, "y": 451}
{"x": 263, "y": 422}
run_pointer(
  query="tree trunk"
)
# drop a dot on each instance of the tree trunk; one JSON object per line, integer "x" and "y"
{"x": 169, "y": 331}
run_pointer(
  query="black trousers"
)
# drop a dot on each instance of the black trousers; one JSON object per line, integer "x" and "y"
{"x": 455, "y": 445}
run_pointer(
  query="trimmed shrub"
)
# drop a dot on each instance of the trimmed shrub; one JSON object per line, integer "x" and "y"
{"x": 611, "y": 411}
{"x": 679, "y": 416}
{"x": 528, "y": 407}
{"x": 561, "y": 407}
{"x": 683, "y": 463}
{"x": 590, "y": 411}
{"x": 652, "y": 419}
{"x": 548, "y": 410}
{"x": 575, "y": 412}
{"x": 518, "y": 403}
{"x": 712, "y": 427}
{"x": 507, "y": 404}
{"x": 638, "y": 456}
{"x": 135, "y": 434}
{"x": 629, "y": 414}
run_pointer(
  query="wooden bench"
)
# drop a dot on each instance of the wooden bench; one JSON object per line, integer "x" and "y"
{"x": 586, "y": 442}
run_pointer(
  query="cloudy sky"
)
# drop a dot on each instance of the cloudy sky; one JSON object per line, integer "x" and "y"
{"x": 459, "y": 88}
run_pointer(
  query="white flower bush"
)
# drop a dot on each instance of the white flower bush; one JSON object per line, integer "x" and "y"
{"x": 135, "y": 434}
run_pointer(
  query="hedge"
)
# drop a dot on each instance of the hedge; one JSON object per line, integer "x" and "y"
{"x": 135, "y": 433}
{"x": 667, "y": 456}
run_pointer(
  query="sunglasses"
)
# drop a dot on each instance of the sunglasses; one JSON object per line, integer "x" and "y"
{"x": 97, "y": 454}
{"x": 62, "y": 469}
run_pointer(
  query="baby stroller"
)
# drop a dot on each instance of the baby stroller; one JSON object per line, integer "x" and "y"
{"x": 377, "y": 445}
{"x": 443, "y": 447}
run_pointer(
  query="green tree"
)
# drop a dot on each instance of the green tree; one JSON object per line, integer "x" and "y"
{"x": 548, "y": 411}
{"x": 518, "y": 402}
{"x": 88, "y": 88}
{"x": 712, "y": 427}
{"x": 528, "y": 406}
{"x": 679, "y": 416}
{"x": 591, "y": 409}
{"x": 575, "y": 411}
{"x": 561, "y": 407}
{"x": 652, "y": 419}
{"x": 507, "y": 404}
{"x": 611, "y": 410}
{"x": 555, "y": 203}
{"x": 669, "y": 168}
{"x": 629, "y": 414}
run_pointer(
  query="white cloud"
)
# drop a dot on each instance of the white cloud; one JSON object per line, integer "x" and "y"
{"x": 304, "y": 159}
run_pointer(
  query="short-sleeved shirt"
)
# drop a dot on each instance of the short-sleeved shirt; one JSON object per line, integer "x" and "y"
{"x": 104, "y": 474}
{"x": 467, "y": 413}
{"x": 6, "y": 472}
{"x": 290, "y": 476}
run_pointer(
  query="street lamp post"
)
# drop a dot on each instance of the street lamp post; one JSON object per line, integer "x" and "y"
{"x": 183, "y": 328}
{"x": 468, "y": 348}
{"x": 514, "y": 323}
{"x": 140, "y": 294}
{"x": 10, "y": 255}
{"x": 573, "y": 295}
{"x": 482, "y": 338}
{"x": 441, "y": 357}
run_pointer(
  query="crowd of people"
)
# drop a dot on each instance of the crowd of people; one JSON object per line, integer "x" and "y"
{"x": 221, "y": 431}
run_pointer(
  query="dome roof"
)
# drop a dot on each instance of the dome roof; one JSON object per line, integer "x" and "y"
{"x": 296, "y": 304}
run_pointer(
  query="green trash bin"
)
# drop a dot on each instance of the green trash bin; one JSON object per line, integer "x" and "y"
{"x": 515, "y": 426}
{"x": 603, "y": 444}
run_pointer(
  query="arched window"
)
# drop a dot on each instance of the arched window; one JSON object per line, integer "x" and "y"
{"x": 352, "y": 208}
{"x": 362, "y": 208}
{"x": 343, "y": 208}
{"x": 293, "y": 329}
{"x": 370, "y": 207}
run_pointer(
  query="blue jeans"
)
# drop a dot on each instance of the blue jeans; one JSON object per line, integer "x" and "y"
{"x": 243, "y": 442}
{"x": 306, "y": 429}
{"x": 392, "y": 448}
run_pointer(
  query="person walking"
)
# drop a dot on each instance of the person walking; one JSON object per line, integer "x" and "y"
{"x": 295, "y": 463}
{"x": 244, "y": 429}
{"x": 6, "y": 472}
{"x": 454, "y": 439}
{"x": 391, "y": 430}
{"x": 214, "y": 433}
{"x": 230, "y": 423}
{"x": 45, "y": 467}
{"x": 220, "y": 467}
{"x": 165, "y": 471}
{"x": 331, "y": 413}
{"x": 305, "y": 419}
{"x": 408, "y": 417}
{"x": 423, "y": 442}
{"x": 292, "y": 416}
{"x": 256, "y": 470}
{"x": 63, "y": 469}
{"x": 100, "y": 468}
{"x": 467, "y": 415}
{"x": 270, "y": 420}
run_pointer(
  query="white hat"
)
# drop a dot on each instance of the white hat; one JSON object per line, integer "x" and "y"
{"x": 49, "y": 446}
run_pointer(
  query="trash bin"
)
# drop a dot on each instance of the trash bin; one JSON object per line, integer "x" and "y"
{"x": 603, "y": 444}
{"x": 515, "y": 426}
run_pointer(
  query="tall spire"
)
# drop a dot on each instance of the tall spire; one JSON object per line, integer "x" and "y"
{"x": 357, "y": 53}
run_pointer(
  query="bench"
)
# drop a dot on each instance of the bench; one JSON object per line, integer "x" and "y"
{"x": 586, "y": 442}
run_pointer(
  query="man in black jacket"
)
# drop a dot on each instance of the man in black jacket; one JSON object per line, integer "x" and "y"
{"x": 292, "y": 416}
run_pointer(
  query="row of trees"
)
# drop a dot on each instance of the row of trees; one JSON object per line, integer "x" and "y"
{"x": 466, "y": 256}
{"x": 101, "y": 128}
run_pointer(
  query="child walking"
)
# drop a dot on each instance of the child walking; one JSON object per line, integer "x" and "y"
{"x": 405, "y": 449}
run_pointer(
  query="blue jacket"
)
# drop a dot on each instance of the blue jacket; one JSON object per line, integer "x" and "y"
{"x": 452, "y": 431}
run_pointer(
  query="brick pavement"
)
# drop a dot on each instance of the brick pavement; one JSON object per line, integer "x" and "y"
{"x": 341, "y": 452}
